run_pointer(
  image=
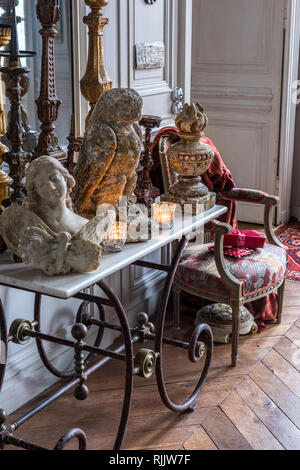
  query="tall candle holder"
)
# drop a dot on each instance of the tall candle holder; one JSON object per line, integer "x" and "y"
{"x": 145, "y": 191}
{"x": 16, "y": 158}
{"x": 48, "y": 13}
{"x": 95, "y": 80}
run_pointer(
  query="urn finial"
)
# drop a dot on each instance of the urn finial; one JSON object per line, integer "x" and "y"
{"x": 192, "y": 120}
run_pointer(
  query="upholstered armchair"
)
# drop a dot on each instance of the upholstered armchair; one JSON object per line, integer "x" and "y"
{"x": 234, "y": 282}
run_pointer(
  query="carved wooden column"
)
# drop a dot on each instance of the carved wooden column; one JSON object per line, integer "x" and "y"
{"x": 48, "y": 13}
{"x": 5, "y": 180}
{"x": 96, "y": 80}
{"x": 16, "y": 158}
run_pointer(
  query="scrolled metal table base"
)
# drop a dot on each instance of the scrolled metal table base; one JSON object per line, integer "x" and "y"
{"x": 145, "y": 363}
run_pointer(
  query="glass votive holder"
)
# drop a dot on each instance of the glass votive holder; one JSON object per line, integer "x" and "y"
{"x": 116, "y": 237}
{"x": 164, "y": 214}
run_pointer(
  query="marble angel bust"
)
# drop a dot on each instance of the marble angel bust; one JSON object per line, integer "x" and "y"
{"x": 109, "y": 156}
{"x": 46, "y": 233}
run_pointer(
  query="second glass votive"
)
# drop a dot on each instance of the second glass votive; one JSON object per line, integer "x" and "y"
{"x": 164, "y": 214}
{"x": 116, "y": 237}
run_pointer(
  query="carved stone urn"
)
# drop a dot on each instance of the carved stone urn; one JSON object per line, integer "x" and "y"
{"x": 189, "y": 159}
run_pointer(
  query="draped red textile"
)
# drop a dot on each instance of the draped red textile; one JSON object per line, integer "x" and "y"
{"x": 217, "y": 178}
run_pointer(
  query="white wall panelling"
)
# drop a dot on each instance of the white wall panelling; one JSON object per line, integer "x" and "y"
{"x": 236, "y": 75}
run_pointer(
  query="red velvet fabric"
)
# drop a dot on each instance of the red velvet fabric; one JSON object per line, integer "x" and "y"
{"x": 218, "y": 178}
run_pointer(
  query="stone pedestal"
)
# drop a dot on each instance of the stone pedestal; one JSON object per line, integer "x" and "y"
{"x": 189, "y": 159}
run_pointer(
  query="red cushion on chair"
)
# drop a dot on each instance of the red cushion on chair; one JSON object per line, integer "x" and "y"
{"x": 245, "y": 239}
{"x": 264, "y": 268}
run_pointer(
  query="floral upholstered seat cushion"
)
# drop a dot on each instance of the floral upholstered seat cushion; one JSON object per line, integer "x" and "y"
{"x": 263, "y": 269}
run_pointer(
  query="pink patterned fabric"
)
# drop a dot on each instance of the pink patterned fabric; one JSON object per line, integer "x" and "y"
{"x": 264, "y": 268}
{"x": 234, "y": 252}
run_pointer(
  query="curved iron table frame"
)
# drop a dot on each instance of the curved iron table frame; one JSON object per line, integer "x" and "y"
{"x": 201, "y": 340}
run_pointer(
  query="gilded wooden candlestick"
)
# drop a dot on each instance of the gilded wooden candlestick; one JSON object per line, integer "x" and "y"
{"x": 48, "y": 13}
{"x": 96, "y": 80}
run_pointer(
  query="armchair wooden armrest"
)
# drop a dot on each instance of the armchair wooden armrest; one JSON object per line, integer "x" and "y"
{"x": 250, "y": 195}
{"x": 257, "y": 197}
{"x": 221, "y": 229}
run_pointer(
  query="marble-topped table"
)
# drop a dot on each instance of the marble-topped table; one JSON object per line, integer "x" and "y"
{"x": 144, "y": 363}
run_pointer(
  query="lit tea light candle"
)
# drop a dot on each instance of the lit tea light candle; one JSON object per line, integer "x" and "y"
{"x": 116, "y": 237}
{"x": 164, "y": 214}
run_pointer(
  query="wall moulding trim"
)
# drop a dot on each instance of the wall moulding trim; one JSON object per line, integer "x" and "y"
{"x": 253, "y": 99}
{"x": 262, "y": 65}
{"x": 261, "y": 129}
{"x": 213, "y": 91}
{"x": 153, "y": 89}
{"x": 153, "y": 85}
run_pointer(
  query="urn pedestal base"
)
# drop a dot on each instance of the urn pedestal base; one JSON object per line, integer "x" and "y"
{"x": 219, "y": 318}
{"x": 194, "y": 205}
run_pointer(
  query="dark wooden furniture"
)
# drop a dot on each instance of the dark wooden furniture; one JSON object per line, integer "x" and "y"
{"x": 145, "y": 191}
{"x": 48, "y": 12}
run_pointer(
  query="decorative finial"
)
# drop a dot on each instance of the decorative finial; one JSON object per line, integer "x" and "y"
{"x": 192, "y": 120}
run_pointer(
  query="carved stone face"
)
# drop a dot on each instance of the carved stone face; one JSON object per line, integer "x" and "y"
{"x": 51, "y": 187}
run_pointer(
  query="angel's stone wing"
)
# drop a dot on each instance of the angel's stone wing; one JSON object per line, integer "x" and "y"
{"x": 96, "y": 229}
{"x": 13, "y": 223}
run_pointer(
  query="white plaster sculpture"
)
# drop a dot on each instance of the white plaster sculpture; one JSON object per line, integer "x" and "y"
{"x": 47, "y": 234}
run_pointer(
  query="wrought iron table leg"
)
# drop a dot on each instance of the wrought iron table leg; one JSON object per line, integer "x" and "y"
{"x": 202, "y": 331}
{"x": 129, "y": 361}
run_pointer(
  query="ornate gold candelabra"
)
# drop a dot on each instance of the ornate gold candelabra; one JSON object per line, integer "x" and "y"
{"x": 95, "y": 80}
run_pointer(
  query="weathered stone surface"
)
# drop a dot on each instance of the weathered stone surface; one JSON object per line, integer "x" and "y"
{"x": 189, "y": 159}
{"x": 47, "y": 234}
{"x": 110, "y": 153}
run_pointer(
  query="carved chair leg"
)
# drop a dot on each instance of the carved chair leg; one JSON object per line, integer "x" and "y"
{"x": 176, "y": 309}
{"x": 280, "y": 297}
{"x": 236, "y": 321}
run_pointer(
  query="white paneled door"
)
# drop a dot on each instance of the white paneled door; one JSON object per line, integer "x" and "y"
{"x": 237, "y": 75}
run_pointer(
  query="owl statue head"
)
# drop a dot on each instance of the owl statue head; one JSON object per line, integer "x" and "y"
{"x": 119, "y": 105}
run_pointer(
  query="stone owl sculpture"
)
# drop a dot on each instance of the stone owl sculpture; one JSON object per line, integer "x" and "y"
{"x": 110, "y": 154}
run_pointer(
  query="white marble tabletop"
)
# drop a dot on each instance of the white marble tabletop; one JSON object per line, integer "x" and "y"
{"x": 23, "y": 277}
